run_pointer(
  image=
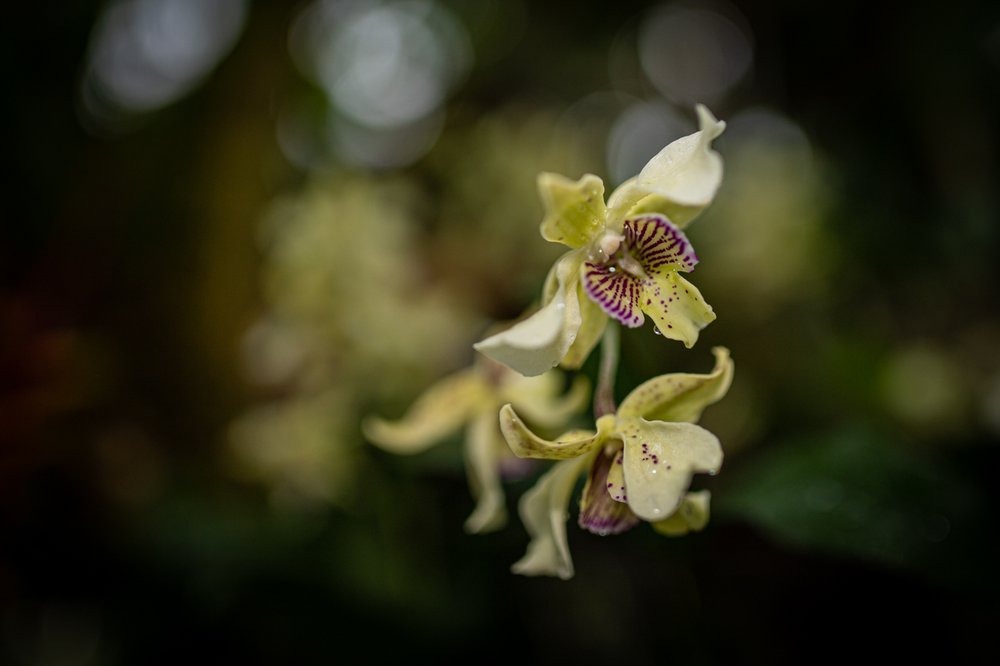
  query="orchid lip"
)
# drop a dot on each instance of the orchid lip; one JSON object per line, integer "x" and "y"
{"x": 615, "y": 249}
{"x": 603, "y": 506}
{"x": 651, "y": 248}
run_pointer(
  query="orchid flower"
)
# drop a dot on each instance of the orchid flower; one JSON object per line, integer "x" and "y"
{"x": 625, "y": 259}
{"x": 641, "y": 460}
{"x": 472, "y": 397}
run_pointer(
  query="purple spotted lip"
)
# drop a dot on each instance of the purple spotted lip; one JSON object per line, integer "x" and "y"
{"x": 626, "y": 282}
{"x": 604, "y": 509}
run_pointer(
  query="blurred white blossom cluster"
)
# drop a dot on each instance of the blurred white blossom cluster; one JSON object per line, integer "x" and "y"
{"x": 372, "y": 288}
{"x": 349, "y": 317}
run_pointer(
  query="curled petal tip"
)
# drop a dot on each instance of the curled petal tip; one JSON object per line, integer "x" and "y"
{"x": 721, "y": 355}
{"x": 708, "y": 123}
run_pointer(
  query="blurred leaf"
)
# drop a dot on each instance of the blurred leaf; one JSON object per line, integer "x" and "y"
{"x": 859, "y": 494}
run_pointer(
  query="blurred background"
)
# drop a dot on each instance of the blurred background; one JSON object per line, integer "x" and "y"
{"x": 235, "y": 228}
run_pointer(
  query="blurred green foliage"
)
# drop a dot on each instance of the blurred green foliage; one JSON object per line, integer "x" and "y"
{"x": 861, "y": 494}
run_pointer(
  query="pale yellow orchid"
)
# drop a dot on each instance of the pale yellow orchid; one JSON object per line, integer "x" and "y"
{"x": 472, "y": 397}
{"x": 625, "y": 256}
{"x": 641, "y": 462}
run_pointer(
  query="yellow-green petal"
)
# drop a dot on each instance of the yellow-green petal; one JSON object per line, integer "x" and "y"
{"x": 540, "y": 342}
{"x": 680, "y": 214}
{"x": 659, "y": 461}
{"x": 483, "y": 449}
{"x": 680, "y": 396}
{"x": 676, "y": 306}
{"x": 544, "y": 510}
{"x": 574, "y": 210}
{"x": 691, "y": 516}
{"x": 622, "y": 200}
{"x": 592, "y": 324}
{"x": 680, "y": 181}
{"x": 435, "y": 415}
{"x": 526, "y": 444}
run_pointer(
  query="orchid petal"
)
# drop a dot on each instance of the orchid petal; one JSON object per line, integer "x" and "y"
{"x": 483, "y": 448}
{"x": 601, "y": 512}
{"x": 680, "y": 181}
{"x": 435, "y": 415}
{"x": 680, "y": 396}
{"x": 539, "y": 342}
{"x": 544, "y": 510}
{"x": 526, "y": 444}
{"x": 574, "y": 210}
{"x": 691, "y": 516}
{"x": 676, "y": 306}
{"x": 659, "y": 461}
{"x": 654, "y": 204}
{"x": 688, "y": 171}
{"x": 592, "y": 324}
{"x": 623, "y": 199}
{"x": 538, "y": 400}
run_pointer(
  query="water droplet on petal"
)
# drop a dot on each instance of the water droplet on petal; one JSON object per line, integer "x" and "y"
{"x": 657, "y": 331}
{"x": 612, "y": 269}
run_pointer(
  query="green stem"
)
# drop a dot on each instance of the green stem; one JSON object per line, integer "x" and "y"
{"x": 604, "y": 393}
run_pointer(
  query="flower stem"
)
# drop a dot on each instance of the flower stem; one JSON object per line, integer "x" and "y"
{"x": 604, "y": 393}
